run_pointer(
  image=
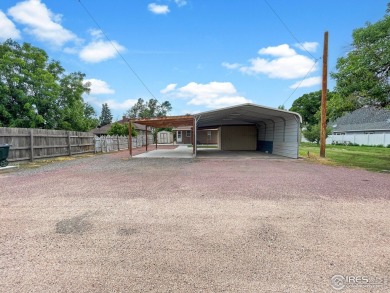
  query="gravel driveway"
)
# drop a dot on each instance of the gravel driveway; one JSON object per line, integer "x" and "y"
{"x": 109, "y": 224}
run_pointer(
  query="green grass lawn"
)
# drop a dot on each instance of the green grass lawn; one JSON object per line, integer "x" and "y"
{"x": 370, "y": 158}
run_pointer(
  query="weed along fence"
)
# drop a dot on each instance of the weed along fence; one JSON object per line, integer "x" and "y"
{"x": 30, "y": 144}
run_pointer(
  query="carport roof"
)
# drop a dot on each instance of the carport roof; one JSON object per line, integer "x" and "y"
{"x": 236, "y": 115}
{"x": 243, "y": 114}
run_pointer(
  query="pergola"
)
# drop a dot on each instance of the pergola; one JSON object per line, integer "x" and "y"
{"x": 163, "y": 122}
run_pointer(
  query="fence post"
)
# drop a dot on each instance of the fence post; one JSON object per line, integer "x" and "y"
{"x": 31, "y": 145}
{"x": 69, "y": 145}
{"x": 117, "y": 140}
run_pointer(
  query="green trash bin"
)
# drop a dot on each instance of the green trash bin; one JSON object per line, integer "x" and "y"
{"x": 4, "y": 150}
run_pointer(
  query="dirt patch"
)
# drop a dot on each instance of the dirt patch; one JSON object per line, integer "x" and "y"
{"x": 75, "y": 225}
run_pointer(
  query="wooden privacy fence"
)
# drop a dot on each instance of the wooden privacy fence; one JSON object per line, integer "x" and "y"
{"x": 30, "y": 144}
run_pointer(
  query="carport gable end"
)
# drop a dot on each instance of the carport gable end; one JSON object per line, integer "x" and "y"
{"x": 254, "y": 127}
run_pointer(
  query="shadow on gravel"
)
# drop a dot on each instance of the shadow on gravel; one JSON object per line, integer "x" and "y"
{"x": 75, "y": 225}
{"x": 126, "y": 231}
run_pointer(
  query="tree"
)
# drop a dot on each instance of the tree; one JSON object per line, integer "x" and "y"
{"x": 313, "y": 133}
{"x": 309, "y": 107}
{"x": 105, "y": 117}
{"x": 121, "y": 130}
{"x": 363, "y": 74}
{"x": 73, "y": 109}
{"x": 90, "y": 116}
{"x": 149, "y": 109}
{"x": 36, "y": 92}
{"x": 281, "y": 107}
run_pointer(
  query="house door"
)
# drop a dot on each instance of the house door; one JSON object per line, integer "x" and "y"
{"x": 179, "y": 137}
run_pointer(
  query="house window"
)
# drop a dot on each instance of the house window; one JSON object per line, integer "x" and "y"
{"x": 188, "y": 133}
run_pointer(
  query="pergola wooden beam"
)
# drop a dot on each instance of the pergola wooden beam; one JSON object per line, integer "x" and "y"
{"x": 161, "y": 122}
{"x": 164, "y": 122}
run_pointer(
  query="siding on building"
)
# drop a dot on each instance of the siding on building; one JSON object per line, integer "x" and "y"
{"x": 279, "y": 137}
{"x": 202, "y": 136}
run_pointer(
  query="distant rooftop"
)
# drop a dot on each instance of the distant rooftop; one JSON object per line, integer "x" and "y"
{"x": 363, "y": 119}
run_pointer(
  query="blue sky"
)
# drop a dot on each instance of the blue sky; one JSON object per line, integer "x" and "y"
{"x": 197, "y": 54}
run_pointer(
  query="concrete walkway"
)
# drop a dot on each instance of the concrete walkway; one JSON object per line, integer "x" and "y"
{"x": 182, "y": 151}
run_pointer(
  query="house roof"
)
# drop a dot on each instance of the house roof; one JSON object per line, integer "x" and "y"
{"x": 181, "y": 128}
{"x": 363, "y": 119}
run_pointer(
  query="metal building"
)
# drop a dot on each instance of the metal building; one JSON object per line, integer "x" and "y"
{"x": 254, "y": 128}
{"x": 245, "y": 127}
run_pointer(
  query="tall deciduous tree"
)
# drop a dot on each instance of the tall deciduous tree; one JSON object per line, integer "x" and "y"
{"x": 149, "y": 109}
{"x": 309, "y": 107}
{"x": 36, "y": 93}
{"x": 363, "y": 74}
{"x": 105, "y": 116}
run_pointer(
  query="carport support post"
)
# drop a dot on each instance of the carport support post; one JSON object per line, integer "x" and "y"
{"x": 146, "y": 133}
{"x": 194, "y": 138}
{"x": 130, "y": 139}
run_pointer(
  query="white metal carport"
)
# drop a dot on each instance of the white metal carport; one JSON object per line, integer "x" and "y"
{"x": 254, "y": 127}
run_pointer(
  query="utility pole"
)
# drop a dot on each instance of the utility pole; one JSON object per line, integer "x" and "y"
{"x": 323, "y": 96}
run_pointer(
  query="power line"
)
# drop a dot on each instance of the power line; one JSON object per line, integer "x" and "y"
{"x": 288, "y": 29}
{"x": 302, "y": 46}
{"x": 116, "y": 49}
{"x": 307, "y": 74}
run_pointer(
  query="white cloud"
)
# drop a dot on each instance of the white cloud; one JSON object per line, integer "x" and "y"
{"x": 278, "y": 51}
{"x": 99, "y": 50}
{"x": 99, "y": 87}
{"x": 7, "y": 28}
{"x": 285, "y": 67}
{"x": 231, "y": 65}
{"x": 287, "y": 64}
{"x": 41, "y": 22}
{"x": 284, "y": 62}
{"x": 181, "y": 3}
{"x": 112, "y": 104}
{"x": 308, "y": 82}
{"x": 212, "y": 95}
{"x": 308, "y": 46}
{"x": 168, "y": 88}
{"x": 71, "y": 50}
{"x": 158, "y": 9}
